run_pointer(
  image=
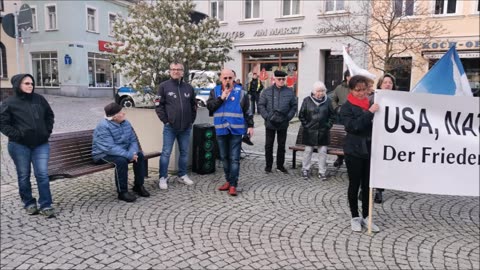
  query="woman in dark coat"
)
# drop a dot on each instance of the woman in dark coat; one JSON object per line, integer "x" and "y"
{"x": 317, "y": 117}
{"x": 27, "y": 120}
{"x": 357, "y": 116}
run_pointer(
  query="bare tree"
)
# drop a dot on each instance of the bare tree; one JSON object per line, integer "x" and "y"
{"x": 391, "y": 29}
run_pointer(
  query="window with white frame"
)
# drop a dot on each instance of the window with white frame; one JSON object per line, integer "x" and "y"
{"x": 217, "y": 9}
{"x": 291, "y": 7}
{"x": 111, "y": 21}
{"x": 34, "y": 19}
{"x": 3, "y": 61}
{"x": 91, "y": 19}
{"x": 51, "y": 17}
{"x": 99, "y": 70}
{"x": 45, "y": 68}
{"x": 252, "y": 9}
{"x": 403, "y": 7}
{"x": 445, "y": 7}
{"x": 334, "y": 5}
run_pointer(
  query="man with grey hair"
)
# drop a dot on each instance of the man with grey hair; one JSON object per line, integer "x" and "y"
{"x": 317, "y": 117}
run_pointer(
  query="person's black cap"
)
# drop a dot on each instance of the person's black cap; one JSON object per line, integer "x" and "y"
{"x": 112, "y": 109}
{"x": 280, "y": 73}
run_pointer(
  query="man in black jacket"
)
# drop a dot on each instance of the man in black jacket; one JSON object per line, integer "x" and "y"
{"x": 177, "y": 110}
{"x": 277, "y": 105}
{"x": 254, "y": 88}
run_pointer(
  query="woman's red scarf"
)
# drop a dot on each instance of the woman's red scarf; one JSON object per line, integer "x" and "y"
{"x": 362, "y": 103}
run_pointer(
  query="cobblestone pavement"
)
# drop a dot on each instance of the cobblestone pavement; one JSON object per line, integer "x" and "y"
{"x": 277, "y": 221}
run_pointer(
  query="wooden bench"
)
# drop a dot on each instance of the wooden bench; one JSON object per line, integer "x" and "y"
{"x": 337, "y": 136}
{"x": 71, "y": 155}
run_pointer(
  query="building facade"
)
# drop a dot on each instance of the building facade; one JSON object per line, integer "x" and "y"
{"x": 460, "y": 21}
{"x": 291, "y": 35}
{"x": 67, "y": 50}
{"x": 8, "y": 60}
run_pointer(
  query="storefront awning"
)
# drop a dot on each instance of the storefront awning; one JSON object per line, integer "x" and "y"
{"x": 461, "y": 54}
{"x": 269, "y": 47}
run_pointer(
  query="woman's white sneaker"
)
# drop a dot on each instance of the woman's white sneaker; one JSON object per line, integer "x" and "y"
{"x": 162, "y": 184}
{"x": 365, "y": 224}
{"x": 186, "y": 180}
{"x": 356, "y": 224}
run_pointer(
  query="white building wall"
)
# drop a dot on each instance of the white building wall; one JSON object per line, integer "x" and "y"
{"x": 304, "y": 28}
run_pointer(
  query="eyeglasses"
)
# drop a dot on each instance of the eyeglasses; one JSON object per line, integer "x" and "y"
{"x": 280, "y": 79}
{"x": 227, "y": 78}
{"x": 28, "y": 83}
{"x": 176, "y": 69}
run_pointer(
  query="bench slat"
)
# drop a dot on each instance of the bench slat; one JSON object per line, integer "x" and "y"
{"x": 337, "y": 137}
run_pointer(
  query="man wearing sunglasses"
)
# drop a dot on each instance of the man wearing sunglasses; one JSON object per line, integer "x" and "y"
{"x": 231, "y": 115}
{"x": 277, "y": 105}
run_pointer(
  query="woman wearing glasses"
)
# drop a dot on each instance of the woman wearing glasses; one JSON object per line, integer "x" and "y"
{"x": 27, "y": 120}
{"x": 357, "y": 115}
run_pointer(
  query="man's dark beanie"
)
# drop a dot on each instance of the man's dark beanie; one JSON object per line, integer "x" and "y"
{"x": 112, "y": 109}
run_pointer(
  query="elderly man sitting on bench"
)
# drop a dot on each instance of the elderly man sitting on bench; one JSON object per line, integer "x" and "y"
{"x": 114, "y": 142}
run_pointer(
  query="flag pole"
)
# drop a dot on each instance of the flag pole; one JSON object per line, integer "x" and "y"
{"x": 370, "y": 210}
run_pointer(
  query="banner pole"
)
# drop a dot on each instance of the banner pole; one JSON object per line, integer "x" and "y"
{"x": 370, "y": 210}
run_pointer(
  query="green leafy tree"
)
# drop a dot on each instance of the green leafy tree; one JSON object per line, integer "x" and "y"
{"x": 160, "y": 32}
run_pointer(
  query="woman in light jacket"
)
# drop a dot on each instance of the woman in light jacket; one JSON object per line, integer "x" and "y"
{"x": 317, "y": 117}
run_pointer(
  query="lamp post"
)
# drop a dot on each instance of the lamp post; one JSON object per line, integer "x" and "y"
{"x": 113, "y": 80}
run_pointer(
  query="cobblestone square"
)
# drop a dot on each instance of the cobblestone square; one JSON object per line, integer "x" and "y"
{"x": 278, "y": 221}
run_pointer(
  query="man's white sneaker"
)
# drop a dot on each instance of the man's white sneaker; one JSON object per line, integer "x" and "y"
{"x": 365, "y": 224}
{"x": 186, "y": 180}
{"x": 162, "y": 184}
{"x": 356, "y": 224}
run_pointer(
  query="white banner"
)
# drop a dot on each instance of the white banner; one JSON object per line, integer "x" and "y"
{"x": 426, "y": 143}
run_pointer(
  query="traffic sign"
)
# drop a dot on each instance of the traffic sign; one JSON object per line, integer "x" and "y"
{"x": 25, "y": 17}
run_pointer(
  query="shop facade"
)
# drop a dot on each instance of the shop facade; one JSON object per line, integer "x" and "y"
{"x": 287, "y": 35}
{"x": 68, "y": 57}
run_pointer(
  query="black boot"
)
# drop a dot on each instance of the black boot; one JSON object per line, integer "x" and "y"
{"x": 378, "y": 196}
{"x": 141, "y": 191}
{"x": 126, "y": 196}
{"x": 338, "y": 162}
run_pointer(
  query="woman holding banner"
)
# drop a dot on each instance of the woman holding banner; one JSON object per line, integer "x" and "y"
{"x": 386, "y": 82}
{"x": 357, "y": 115}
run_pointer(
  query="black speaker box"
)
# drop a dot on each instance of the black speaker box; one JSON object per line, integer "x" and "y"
{"x": 204, "y": 144}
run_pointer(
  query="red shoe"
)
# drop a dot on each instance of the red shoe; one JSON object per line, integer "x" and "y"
{"x": 232, "y": 191}
{"x": 225, "y": 187}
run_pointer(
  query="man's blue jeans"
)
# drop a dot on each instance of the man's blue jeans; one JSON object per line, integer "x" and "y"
{"x": 183, "y": 140}
{"x": 229, "y": 147}
{"x": 121, "y": 171}
{"x": 23, "y": 156}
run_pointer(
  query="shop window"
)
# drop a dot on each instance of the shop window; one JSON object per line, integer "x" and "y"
{"x": 91, "y": 19}
{"x": 401, "y": 69}
{"x": 3, "y": 61}
{"x": 264, "y": 65}
{"x": 252, "y": 9}
{"x": 291, "y": 7}
{"x": 111, "y": 21}
{"x": 51, "y": 17}
{"x": 99, "y": 70}
{"x": 217, "y": 9}
{"x": 34, "y": 19}
{"x": 334, "y": 5}
{"x": 445, "y": 6}
{"x": 45, "y": 69}
{"x": 403, "y": 7}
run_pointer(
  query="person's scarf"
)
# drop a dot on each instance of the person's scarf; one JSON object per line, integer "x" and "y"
{"x": 362, "y": 103}
{"x": 318, "y": 101}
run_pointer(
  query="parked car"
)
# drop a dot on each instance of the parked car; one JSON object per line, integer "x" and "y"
{"x": 201, "y": 80}
{"x": 129, "y": 97}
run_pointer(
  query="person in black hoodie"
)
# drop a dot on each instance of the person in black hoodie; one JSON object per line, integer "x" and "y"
{"x": 27, "y": 120}
{"x": 177, "y": 109}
